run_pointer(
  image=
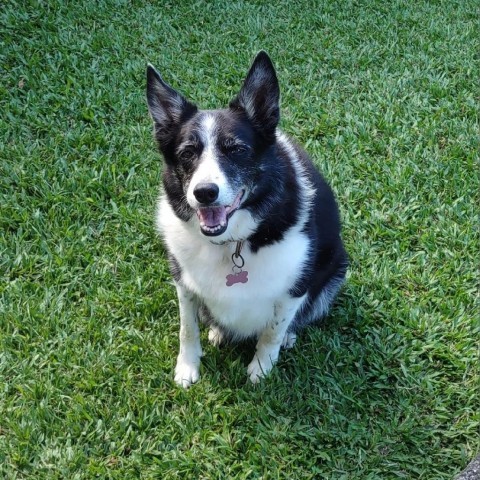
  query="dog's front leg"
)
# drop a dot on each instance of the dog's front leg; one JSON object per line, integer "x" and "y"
{"x": 270, "y": 340}
{"x": 187, "y": 370}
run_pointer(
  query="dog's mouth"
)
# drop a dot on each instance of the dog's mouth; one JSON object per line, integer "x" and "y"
{"x": 214, "y": 220}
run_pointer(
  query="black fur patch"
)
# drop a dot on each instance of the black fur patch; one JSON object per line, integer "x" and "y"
{"x": 175, "y": 268}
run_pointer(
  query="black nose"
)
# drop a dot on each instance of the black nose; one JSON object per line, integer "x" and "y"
{"x": 206, "y": 192}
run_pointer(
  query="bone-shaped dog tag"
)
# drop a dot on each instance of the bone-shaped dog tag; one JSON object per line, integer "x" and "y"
{"x": 237, "y": 277}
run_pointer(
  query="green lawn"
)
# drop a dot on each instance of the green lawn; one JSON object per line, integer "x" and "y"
{"x": 384, "y": 95}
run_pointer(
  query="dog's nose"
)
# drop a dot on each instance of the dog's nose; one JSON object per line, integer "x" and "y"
{"x": 206, "y": 192}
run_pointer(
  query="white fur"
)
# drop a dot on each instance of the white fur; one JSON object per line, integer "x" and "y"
{"x": 188, "y": 362}
{"x": 215, "y": 336}
{"x": 208, "y": 170}
{"x": 307, "y": 189}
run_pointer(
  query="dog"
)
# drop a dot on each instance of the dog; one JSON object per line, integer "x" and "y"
{"x": 251, "y": 228}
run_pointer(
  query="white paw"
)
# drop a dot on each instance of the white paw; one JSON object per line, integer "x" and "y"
{"x": 215, "y": 336}
{"x": 258, "y": 368}
{"x": 289, "y": 340}
{"x": 186, "y": 373}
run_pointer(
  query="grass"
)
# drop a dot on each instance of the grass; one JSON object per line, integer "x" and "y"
{"x": 383, "y": 96}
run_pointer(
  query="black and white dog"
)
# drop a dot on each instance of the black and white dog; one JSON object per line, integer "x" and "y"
{"x": 251, "y": 228}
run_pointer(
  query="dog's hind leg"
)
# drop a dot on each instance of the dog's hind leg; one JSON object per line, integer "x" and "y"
{"x": 289, "y": 340}
{"x": 215, "y": 336}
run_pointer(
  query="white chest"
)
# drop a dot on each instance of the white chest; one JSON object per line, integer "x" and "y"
{"x": 244, "y": 308}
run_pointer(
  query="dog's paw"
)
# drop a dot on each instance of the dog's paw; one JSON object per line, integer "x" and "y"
{"x": 186, "y": 373}
{"x": 259, "y": 368}
{"x": 215, "y": 336}
{"x": 289, "y": 340}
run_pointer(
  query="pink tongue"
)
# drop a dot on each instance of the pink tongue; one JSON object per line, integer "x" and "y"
{"x": 212, "y": 216}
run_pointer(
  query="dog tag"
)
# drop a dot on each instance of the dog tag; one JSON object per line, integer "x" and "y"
{"x": 237, "y": 277}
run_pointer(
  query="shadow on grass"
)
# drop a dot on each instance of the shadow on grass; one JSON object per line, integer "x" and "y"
{"x": 313, "y": 349}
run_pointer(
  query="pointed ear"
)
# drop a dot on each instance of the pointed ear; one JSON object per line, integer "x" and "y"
{"x": 259, "y": 96}
{"x": 167, "y": 107}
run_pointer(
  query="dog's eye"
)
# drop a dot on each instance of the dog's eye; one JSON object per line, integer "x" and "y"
{"x": 235, "y": 149}
{"x": 186, "y": 154}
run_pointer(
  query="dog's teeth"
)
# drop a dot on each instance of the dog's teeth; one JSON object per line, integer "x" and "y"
{"x": 215, "y": 229}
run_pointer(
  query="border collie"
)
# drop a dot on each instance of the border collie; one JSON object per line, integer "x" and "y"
{"x": 251, "y": 228}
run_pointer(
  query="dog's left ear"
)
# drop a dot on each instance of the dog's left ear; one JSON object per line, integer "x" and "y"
{"x": 259, "y": 96}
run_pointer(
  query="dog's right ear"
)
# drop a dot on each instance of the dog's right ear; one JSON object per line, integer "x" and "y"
{"x": 166, "y": 106}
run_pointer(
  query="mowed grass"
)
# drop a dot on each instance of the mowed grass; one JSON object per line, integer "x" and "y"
{"x": 384, "y": 95}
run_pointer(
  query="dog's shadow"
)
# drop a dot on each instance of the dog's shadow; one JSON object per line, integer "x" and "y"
{"x": 225, "y": 366}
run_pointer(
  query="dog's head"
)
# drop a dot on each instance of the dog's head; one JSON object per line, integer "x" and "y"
{"x": 214, "y": 159}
